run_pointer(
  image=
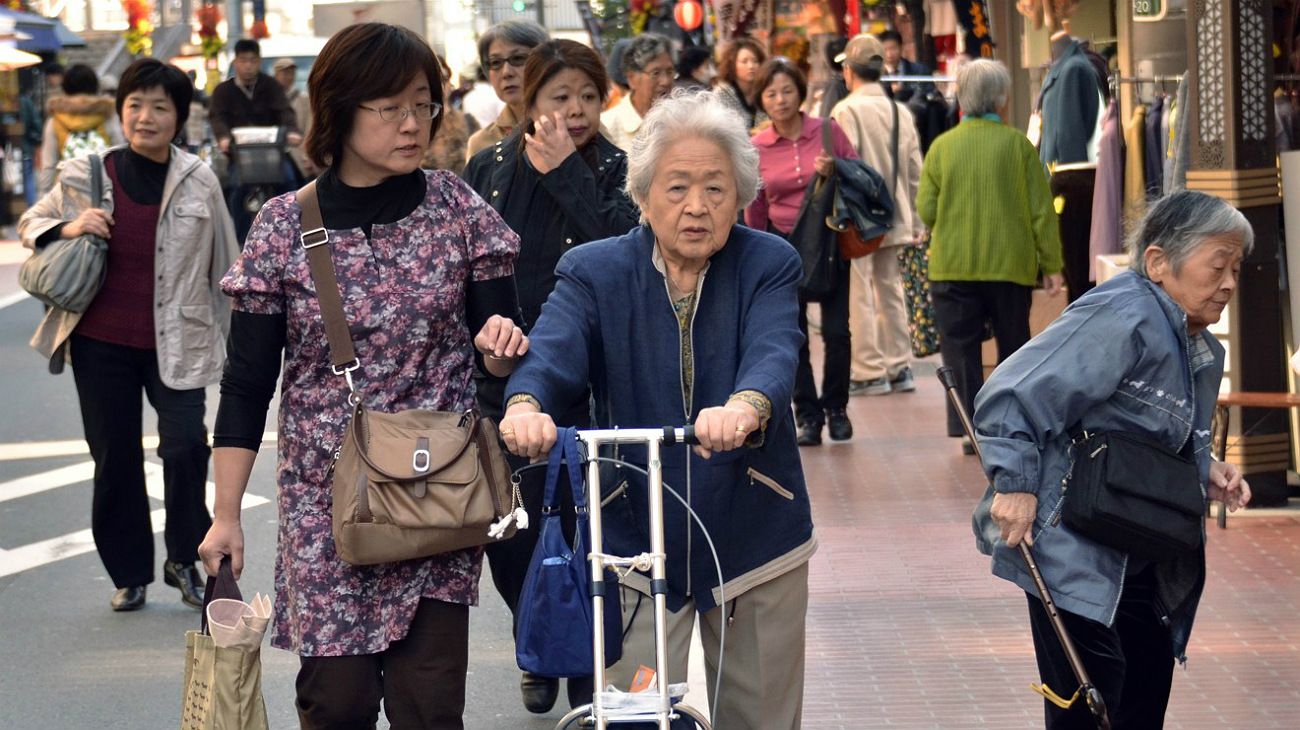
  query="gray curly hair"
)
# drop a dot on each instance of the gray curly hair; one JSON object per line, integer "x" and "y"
{"x": 684, "y": 114}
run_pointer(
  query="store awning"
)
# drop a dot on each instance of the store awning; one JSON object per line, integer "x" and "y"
{"x": 45, "y": 34}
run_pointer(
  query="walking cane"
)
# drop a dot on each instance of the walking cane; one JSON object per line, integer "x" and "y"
{"x": 1091, "y": 694}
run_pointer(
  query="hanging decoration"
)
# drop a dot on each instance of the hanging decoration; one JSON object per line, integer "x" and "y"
{"x": 21, "y": 6}
{"x": 139, "y": 29}
{"x": 642, "y": 11}
{"x": 209, "y": 15}
{"x": 258, "y": 29}
{"x": 974, "y": 18}
{"x": 688, "y": 14}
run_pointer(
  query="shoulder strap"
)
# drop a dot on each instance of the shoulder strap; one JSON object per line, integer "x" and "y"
{"x": 316, "y": 241}
{"x": 826, "y": 137}
{"x": 96, "y": 181}
{"x": 893, "y": 138}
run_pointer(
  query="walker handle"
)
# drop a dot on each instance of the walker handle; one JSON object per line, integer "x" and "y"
{"x": 947, "y": 377}
{"x": 683, "y": 435}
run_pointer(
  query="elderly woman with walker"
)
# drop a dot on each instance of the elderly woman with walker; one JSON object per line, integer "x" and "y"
{"x": 1126, "y": 378}
{"x": 691, "y": 318}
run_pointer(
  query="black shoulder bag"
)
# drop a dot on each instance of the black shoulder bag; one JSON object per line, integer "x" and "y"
{"x": 1132, "y": 494}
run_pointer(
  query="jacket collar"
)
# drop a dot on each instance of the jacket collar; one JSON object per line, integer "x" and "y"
{"x": 869, "y": 88}
{"x": 627, "y": 116}
{"x": 1197, "y": 346}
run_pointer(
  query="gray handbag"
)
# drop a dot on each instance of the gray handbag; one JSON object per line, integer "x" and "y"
{"x": 68, "y": 273}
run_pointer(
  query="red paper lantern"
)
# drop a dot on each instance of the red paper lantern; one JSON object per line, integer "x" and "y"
{"x": 688, "y": 14}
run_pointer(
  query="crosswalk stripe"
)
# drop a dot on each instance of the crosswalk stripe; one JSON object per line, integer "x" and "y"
{"x": 36, "y": 554}
{"x": 73, "y": 447}
{"x": 12, "y": 299}
{"x": 46, "y": 480}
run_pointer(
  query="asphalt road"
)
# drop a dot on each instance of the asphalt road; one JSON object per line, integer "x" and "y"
{"x": 66, "y": 660}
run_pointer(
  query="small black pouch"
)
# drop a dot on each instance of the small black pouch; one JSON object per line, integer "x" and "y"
{"x": 1132, "y": 494}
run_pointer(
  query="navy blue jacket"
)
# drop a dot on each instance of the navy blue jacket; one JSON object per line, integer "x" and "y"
{"x": 610, "y": 322}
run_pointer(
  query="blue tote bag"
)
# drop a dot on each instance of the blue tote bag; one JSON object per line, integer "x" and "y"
{"x": 554, "y": 627}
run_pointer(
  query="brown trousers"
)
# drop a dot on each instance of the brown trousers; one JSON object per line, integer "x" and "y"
{"x": 421, "y": 679}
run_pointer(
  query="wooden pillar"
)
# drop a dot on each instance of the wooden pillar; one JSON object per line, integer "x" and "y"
{"x": 1234, "y": 156}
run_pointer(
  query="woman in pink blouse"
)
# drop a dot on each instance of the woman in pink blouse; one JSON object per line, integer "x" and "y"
{"x": 789, "y": 154}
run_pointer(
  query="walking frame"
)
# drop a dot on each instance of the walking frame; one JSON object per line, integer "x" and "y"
{"x": 595, "y": 715}
{"x": 1089, "y": 691}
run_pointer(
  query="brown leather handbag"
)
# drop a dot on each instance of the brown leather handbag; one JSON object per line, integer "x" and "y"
{"x": 849, "y": 239}
{"x": 409, "y": 484}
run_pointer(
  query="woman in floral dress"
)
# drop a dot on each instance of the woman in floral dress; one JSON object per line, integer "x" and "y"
{"x": 421, "y": 262}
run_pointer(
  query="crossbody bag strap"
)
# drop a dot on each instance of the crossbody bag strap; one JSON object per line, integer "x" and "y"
{"x": 893, "y": 135}
{"x": 96, "y": 181}
{"x": 826, "y": 137}
{"x": 316, "y": 242}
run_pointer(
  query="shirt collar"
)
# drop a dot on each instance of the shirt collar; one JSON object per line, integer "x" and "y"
{"x": 770, "y": 138}
{"x": 990, "y": 117}
{"x": 628, "y": 118}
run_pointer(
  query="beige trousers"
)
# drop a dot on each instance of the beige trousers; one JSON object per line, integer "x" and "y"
{"x": 763, "y": 664}
{"x": 881, "y": 344}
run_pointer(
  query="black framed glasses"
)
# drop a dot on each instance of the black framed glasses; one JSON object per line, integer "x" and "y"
{"x": 424, "y": 111}
{"x": 517, "y": 60}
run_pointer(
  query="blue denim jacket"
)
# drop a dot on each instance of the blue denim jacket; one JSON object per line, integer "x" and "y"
{"x": 1118, "y": 359}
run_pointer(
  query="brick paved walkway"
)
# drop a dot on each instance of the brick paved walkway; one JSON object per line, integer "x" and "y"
{"x": 908, "y": 629}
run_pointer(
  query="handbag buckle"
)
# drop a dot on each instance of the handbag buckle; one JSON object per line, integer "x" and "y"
{"x": 324, "y": 238}
{"x": 346, "y": 371}
{"x": 420, "y": 460}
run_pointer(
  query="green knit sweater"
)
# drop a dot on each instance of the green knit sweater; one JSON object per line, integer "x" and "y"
{"x": 985, "y": 197}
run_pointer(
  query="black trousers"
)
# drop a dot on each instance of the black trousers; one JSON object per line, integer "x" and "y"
{"x": 110, "y": 379}
{"x": 1131, "y": 662}
{"x": 1075, "y": 188}
{"x": 808, "y": 408}
{"x": 961, "y": 309}
{"x": 420, "y": 679}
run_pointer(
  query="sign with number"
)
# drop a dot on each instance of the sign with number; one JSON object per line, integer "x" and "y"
{"x": 1146, "y": 11}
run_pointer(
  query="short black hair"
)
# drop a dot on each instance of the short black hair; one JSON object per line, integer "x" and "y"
{"x": 80, "y": 79}
{"x": 54, "y": 69}
{"x": 150, "y": 73}
{"x": 691, "y": 58}
{"x": 248, "y": 45}
{"x": 890, "y": 35}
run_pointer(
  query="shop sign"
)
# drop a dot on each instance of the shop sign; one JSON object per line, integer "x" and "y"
{"x": 1147, "y": 11}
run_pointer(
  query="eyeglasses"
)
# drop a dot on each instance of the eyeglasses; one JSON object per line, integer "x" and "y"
{"x": 424, "y": 111}
{"x": 517, "y": 60}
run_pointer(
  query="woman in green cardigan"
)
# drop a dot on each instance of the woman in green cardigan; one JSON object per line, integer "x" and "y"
{"x": 985, "y": 197}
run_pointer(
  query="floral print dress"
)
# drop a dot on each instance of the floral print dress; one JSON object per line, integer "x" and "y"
{"x": 404, "y": 292}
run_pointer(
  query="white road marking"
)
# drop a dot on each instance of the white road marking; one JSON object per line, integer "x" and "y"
{"x": 73, "y": 447}
{"x": 11, "y": 299}
{"x": 44, "y": 552}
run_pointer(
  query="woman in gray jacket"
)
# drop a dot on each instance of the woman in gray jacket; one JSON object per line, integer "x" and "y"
{"x": 1132, "y": 355}
{"x": 157, "y": 326}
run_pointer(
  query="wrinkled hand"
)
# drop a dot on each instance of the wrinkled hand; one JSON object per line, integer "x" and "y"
{"x": 824, "y": 164}
{"x": 527, "y": 432}
{"x": 550, "y": 143}
{"x": 1014, "y": 513}
{"x": 1053, "y": 284}
{"x": 1228, "y": 486}
{"x": 724, "y": 428}
{"x": 95, "y": 221}
{"x": 224, "y": 538}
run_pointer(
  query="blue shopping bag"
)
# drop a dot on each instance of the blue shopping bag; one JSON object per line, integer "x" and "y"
{"x": 554, "y": 626}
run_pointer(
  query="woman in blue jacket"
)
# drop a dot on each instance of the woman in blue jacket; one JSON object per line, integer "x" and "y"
{"x": 691, "y": 318}
{"x": 1134, "y": 356}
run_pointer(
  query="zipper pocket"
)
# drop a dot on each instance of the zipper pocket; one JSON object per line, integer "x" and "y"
{"x": 758, "y": 476}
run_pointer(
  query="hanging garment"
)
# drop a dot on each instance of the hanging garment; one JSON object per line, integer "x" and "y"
{"x": 1135, "y": 177}
{"x": 1072, "y": 191}
{"x": 1070, "y": 105}
{"x": 1152, "y": 158}
{"x": 1108, "y": 193}
{"x": 1180, "y": 145}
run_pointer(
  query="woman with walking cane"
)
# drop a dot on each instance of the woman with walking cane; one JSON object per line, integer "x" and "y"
{"x": 1096, "y": 438}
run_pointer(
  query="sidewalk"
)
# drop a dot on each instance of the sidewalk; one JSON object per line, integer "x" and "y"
{"x": 907, "y": 628}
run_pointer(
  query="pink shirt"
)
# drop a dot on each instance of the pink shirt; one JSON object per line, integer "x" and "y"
{"x": 787, "y": 167}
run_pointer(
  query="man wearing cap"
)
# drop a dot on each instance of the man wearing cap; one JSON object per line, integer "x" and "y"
{"x": 286, "y": 73}
{"x": 882, "y": 347}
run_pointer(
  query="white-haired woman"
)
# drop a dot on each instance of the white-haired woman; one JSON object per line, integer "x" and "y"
{"x": 691, "y": 318}
{"x": 994, "y": 233}
{"x": 1132, "y": 356}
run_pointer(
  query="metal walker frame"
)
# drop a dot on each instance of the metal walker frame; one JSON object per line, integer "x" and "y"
{"x": 595, "y": 715}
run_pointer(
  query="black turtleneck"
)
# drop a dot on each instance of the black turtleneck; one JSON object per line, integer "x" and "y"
{"x": 343, "y": 206}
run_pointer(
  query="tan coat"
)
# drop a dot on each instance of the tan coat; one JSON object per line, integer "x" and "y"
{"x": 869, "y": 105}
{"x": 492, "y": 133}
{"x": 196, "y": 245}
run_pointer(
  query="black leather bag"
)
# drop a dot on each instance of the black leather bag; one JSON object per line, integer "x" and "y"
{"x": 817, "y": 243}
{"x": 1131, "y": 494}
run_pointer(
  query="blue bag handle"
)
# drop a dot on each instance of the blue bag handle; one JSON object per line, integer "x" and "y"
{"x": 565, "y": 450}
{"x": 573, "y": 454}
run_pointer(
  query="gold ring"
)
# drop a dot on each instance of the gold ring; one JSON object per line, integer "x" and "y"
{"x": 741, "y": 429}
{"x": 507, "y": 432}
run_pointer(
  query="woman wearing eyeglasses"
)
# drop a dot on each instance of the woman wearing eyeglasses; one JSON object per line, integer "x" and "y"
{"x": 557, "y": 182}
{"x": 502, "y": 50}
{"x": 422, "y": 263}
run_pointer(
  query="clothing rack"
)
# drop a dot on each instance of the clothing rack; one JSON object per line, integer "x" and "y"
{"x": 1162, "y": 79}
{"x": 896, "y": 78}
